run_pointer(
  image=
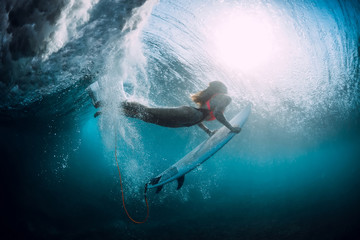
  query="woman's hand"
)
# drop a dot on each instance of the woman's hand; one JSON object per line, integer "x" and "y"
{"x": 212, "y": 133}
{"x": 235, "y": 129}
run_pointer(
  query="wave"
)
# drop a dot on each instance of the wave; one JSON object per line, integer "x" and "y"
{"x": 297, "y": 63}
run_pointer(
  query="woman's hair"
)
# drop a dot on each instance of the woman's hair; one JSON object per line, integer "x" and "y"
{"x": 214, "y": 87}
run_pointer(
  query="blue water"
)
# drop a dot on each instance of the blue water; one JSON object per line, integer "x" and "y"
{"x": 292, "y": 173}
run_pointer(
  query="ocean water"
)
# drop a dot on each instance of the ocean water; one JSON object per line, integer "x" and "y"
{"x": 292, "y": 173}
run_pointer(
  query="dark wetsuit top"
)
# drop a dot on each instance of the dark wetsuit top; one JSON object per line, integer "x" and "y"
{"x": 205, "y": 112}
{"x": 208, "y": 112}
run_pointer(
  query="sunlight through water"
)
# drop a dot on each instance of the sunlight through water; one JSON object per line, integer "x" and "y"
{"x": 244, "y": 41}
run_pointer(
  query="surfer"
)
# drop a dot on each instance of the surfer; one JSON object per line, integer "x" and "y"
{"x": 211, "y": 102}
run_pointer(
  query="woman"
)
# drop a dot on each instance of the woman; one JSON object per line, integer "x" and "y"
{"x": 212, "y": 103}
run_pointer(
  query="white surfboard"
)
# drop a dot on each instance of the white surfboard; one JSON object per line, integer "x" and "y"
{"x": 200, "y": 154}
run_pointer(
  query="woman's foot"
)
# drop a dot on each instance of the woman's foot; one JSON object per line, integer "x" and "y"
{"x": 97, "y": 114}
{"x": 98, "y": 104}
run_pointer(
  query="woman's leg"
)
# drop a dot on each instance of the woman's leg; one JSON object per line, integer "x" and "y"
{"x": 134, "y": 110}
{"x": 168, "y": 117}
{"x": 130, "y": 109}
{"x": 184, "y": 116}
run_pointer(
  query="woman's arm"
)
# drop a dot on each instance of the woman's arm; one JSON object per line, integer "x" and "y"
{"x": 208, "y": 131}
{"x": 221, "y": 118}
{"x": 220, "y": 102}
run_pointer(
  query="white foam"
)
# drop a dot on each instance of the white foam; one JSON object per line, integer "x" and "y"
{"x": 75, "y": 14}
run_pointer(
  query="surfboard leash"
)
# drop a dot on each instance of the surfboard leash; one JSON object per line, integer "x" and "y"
{"x": 122, "y": 192}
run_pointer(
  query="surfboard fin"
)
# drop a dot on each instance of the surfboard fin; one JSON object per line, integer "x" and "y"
{"x": 158, "y": 189}
{"x": 180, "y": 181}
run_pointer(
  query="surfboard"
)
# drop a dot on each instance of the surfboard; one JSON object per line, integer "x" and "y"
{"x": 199, "y": 154}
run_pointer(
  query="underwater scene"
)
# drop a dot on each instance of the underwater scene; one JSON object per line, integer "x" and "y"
{"x": 293, "y": 172}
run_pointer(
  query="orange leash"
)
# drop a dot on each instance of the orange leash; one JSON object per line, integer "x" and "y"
{"x": 122, "y": 194}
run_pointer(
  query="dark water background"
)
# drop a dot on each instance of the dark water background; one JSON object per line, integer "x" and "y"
{"x": 292, "y": 173}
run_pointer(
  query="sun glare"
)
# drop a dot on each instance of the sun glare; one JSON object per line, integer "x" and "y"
{"x": 243, "y": 42}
